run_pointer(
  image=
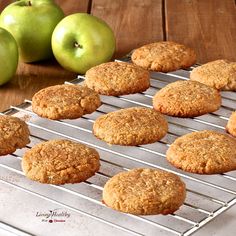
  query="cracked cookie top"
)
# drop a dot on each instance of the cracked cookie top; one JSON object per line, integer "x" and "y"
{"x": 219, "y": 74}
{"x": 203, "y": 152}
{"x": 131, "y": 126}
{"x": 164, "y": 56}
{"x": 117, "y": 78}
{"x": 186, "y": 99}
{"x": 60, "y": 162}
{"x": 14, "y": 134}
{"x": 144, "y": 191}
{"x": 65, "y": 102}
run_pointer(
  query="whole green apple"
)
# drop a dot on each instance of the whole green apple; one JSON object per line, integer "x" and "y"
{"x": 32, "y": 22}
{"x": 81, "y": 41}
{"x": 8, "y": 55}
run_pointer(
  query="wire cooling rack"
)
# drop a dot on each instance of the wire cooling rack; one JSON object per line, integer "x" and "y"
{"x": 207, "y": 196}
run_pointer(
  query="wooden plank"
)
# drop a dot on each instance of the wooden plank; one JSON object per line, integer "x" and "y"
{"x": 134, "y": 22}
{"x": 73, "y": 6}
{"x": 69, "y": 7}
{"x": 32, "y": 77}
{"x": 3, "y": 4}
{"x": 207, "y": 26}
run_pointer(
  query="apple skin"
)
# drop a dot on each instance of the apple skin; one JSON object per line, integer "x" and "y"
{"x": 9, "y": 56}
{"x": 81, "y": 41}
{"x": 32, "y": 26}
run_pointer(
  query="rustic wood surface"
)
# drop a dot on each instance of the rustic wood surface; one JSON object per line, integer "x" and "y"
{"x": 134, "y": 22}
{"x": 207, "y": 26}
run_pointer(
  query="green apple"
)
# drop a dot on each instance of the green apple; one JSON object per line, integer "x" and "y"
{"x": 81, "y": 41}
{"x": 8, "y": 55}
{"x": 32, "y": 22}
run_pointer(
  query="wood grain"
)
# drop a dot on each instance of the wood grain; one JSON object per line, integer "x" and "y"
{"x": 4, "y": 3}
{"x": 32, "y": 77}
{"x": 207, "y": 26}
{"x": 134, "y": 22}
{"x": 73, "y": 6}
{"x": 68, "y": 7}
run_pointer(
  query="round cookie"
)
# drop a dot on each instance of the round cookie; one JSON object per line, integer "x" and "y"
{"x": 65, "y": 102}
{"x": 14, "y": 134}
{"x": 231, "y": 125}
{"x": 131, "y": 126}
{"x": 219, "y": 74}
{"x": 117, "y": 78}
{"x": 144, "y": 192}
{"x": 60, "y": 162}
{"x": 186, "y": 99}
{"x": 203, "y": 152}
{"x": 164, "y": 56}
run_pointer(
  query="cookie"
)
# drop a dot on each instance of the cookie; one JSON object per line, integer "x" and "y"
{"x": 203, "y": 152}
{"x": 164, "y": 56}
{"x": 14, "y": 134}
{"x": 187, "y": 99}
{"x": 144, "y": 192}
{"x": 231, "y": 125}
{"x": 117, "y": 78}
{"x": 219, "y": 74}
{"x": 65, "y": 102}
{"x": 131, "y": 126}
{"x": 60, "y": 162}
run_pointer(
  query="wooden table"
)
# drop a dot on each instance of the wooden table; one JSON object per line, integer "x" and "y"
{"x": 209, "y": 26}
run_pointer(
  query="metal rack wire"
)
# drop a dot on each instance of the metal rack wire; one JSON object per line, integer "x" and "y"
{"x": 207, "y": 196}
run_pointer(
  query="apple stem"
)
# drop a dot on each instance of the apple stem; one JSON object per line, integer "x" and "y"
{"x": 29, "y": 3}
{"x": 77, "y": 45}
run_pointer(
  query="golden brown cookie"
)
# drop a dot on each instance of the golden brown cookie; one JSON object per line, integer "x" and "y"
{"x": 131, "y": 126}
{"x": 117, "y": 78}
{"x": 164, "y": 56}
{"x": 203, "y": 152}
{"x": 14, "y": 134}
{"x": 219, "y": 74}
{"x": 187, "y": 99}
{"x": 231, "y": 125}
{"x": 60, "y": 162}
{"x": 145, "y": 192}
{"x": 65, "y": 102}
